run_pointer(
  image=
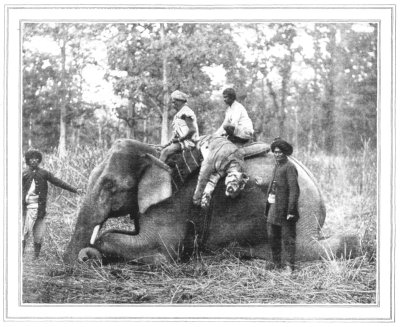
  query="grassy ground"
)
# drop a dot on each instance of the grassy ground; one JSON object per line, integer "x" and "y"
{"x": 348, "y": 184}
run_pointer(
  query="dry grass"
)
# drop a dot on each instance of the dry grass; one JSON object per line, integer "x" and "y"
{"x": 217, "y": 279}
{"x": 348, "y": 184}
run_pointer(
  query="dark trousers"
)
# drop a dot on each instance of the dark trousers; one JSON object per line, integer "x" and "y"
{"x": 285, "y": 234}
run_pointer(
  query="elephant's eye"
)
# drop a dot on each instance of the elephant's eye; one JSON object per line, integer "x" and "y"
{"x": 108, "y": 184}
{"x": 128, "y": 184}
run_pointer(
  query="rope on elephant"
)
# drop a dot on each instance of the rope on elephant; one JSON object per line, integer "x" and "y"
{"x": 205, "y": 231}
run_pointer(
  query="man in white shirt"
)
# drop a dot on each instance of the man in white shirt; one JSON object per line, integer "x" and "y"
{"x": 237, "y": 125}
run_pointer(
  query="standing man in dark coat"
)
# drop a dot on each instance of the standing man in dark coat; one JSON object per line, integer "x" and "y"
{"x": 34, "y": 198}
{"x": 281, "y": 208}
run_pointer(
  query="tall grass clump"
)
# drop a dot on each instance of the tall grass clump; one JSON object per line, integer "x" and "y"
{"x": 348, "y": 182}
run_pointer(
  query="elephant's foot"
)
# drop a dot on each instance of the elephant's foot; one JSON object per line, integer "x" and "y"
{"x": 337, "y": 246}
{"x": 89, "y": 253}
{"x": 343, "y": 246}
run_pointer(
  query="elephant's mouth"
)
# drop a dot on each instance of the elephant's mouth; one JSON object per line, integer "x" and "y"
{"x": 121, "y": 225}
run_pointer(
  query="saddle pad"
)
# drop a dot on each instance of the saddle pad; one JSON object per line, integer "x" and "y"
{"x": 183, "y": 164}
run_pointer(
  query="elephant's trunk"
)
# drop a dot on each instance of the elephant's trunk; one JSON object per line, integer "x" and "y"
{"x": 88, "y": 218}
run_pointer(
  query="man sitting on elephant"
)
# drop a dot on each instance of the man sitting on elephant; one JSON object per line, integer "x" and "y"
{"x": 237, "y": 125}
{"x": 220, "y": 158}
{"x": 185, "y": 129}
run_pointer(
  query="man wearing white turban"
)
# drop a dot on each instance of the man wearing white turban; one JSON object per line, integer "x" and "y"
{"x": 184, "y": 125}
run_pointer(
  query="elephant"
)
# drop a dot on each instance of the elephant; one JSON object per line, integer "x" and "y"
{"x": 132, "y": 181}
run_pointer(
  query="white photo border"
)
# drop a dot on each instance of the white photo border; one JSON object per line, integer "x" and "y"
{"x": 16, "y": 14}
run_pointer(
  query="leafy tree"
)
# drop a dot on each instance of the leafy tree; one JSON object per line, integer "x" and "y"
{"x": 53, "y": 83}
{"x": 158, "y": 59}
{"x": 321, "y": 97}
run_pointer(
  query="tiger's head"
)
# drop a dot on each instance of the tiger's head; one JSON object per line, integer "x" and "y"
{"x": 235, "y": 182}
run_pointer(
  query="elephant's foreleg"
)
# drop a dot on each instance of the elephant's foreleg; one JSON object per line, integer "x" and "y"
{"x": 149, "y": 248}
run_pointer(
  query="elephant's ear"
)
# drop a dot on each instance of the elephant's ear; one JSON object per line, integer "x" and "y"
{"x": 155, "y": 184}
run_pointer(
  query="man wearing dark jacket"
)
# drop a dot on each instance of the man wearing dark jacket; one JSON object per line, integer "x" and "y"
{"x": 34, "y": 198}
{"x": 281, "y": 208}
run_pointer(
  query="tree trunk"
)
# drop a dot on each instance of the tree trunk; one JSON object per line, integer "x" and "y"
{"x": 282, "y": 108}
{"x": 328, "y": 104}
{"x": 261, "y": 135}
{"x": 130, "y": 121}
{"x": 100, "y": 138}
{"x": 30, "y": 131}
{"x": 164, "y": 117}
{"x": 145, "y": 139}
{"x": 275, "y": 108}
{"x": 296, "y": 129}
{"x": 63, "y": 100}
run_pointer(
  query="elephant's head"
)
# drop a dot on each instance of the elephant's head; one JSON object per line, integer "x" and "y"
{"x": 128, "y": 181}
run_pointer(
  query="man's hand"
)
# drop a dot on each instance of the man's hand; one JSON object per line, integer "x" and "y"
{"x": 196, "y": 201}
{"x": 205, "y": 200}
{"x": 289, "y": 217}
{"x": 259, "y": 181}
{"x": 163, "y": 146}
{"x": 230, "y": 129}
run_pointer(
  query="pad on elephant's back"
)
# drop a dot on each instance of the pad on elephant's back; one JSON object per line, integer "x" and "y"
{"x": 183, "y": 165}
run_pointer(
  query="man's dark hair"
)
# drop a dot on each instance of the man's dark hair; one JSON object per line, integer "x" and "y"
{"x": 33, "y": 153}
{"x": 230, "y": 92}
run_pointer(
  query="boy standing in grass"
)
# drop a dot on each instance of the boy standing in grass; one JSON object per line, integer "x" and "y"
{"x": 34, "y": 198}
{"x": 281, "y": 208}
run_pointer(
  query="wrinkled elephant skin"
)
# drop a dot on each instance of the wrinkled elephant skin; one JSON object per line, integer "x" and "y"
{"x": 129, "y": 181}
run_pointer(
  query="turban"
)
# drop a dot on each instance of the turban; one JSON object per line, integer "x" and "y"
{"x": 284, "y": 146}
{"x": 33, "y": 153}
{"x": 178, "y": 95}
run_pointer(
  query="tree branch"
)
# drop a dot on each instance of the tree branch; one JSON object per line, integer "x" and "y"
{"x": 157, "y": 107}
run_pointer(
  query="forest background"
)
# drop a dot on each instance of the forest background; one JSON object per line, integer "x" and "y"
{"x": 89, "y": 84}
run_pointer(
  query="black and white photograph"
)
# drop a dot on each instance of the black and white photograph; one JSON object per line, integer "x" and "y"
{"x": 199, "y": 163}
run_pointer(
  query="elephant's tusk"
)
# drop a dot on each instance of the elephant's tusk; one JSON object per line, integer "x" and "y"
{"x": 94, "y": 235}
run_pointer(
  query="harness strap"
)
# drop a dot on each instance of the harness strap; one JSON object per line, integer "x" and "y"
{"x": 205, "y": 231}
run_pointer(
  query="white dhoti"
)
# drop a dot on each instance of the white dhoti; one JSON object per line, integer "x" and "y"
{"x": 31, "y": 215}
{"x": 31, "y": 223}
